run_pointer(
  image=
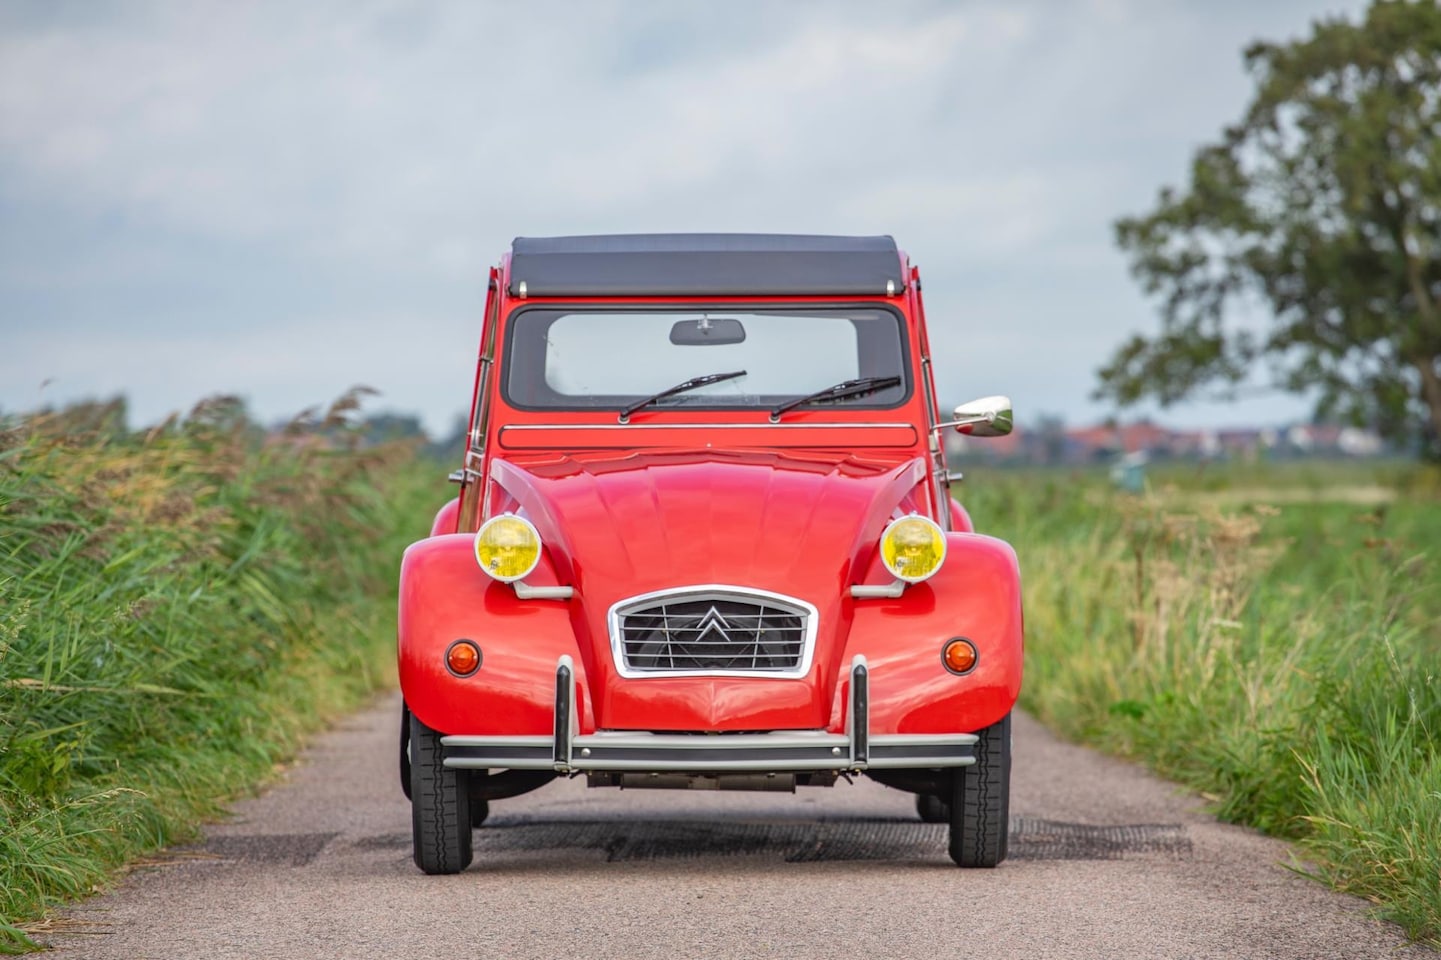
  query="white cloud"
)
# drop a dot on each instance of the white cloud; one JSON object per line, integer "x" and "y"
{"x": 385, "y": 152}
{"x": 311, "y": 361}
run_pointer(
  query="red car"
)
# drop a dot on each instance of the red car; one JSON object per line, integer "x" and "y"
{"x": 705, "y": 538}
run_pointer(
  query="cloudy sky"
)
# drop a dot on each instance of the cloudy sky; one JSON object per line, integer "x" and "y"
{"x": 281, "y": 200}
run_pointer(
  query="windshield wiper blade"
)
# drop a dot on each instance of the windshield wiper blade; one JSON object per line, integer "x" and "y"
{"x": 838, "y": 391}
{"x": 694, "y": 383}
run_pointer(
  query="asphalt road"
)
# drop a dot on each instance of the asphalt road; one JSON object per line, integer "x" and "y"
{"x": 1106, "y": 861}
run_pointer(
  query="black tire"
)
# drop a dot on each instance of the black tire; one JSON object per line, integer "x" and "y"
{"x": 439, "y": 805}
{"x": 981, "y": 804}
{"x": 479, "y": 810}
{"x": 932, "y": 809}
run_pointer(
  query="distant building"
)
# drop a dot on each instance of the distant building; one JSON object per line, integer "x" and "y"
{"x": 1050, "y": 443}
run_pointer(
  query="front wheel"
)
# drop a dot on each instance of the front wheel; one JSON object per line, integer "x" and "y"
{"x": 981, "y": 801}
{"x": 440, "y": 814}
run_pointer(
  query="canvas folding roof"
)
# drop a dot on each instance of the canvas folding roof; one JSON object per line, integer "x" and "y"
{"x": 704, "y": 264}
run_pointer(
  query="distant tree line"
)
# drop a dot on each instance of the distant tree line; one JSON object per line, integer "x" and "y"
{"x": 341, "y": 420}
{"x": 1322, "y": 204}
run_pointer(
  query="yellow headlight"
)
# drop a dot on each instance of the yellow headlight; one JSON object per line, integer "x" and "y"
{"x": 913, "y": 548}
{"x": 507, "y": 547}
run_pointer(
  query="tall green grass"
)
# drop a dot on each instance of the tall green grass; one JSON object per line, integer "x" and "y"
{"x": 1279, "y": 653}
{"x": 177, "y": 609}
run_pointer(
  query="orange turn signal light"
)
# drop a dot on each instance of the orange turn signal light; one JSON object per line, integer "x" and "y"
{"x": 959, "y": 655}
{"x": 462, "y": 658}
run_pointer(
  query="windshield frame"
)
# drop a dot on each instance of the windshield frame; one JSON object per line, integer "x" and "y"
{"x": 903, "y": 335}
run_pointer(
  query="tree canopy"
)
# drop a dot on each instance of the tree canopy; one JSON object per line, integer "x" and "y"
{"x": 1322, "y": 206}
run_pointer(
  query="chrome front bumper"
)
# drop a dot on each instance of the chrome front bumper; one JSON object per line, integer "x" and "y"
{"x": 795, "y": 751}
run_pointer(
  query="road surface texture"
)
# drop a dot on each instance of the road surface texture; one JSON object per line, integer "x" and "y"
{"x": 1106, "y": 861}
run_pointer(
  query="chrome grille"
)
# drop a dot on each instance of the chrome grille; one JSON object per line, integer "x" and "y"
{"x": 713, "y": 631}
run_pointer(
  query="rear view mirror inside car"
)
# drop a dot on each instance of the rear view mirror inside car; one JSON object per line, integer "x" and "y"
{"x": 707, "y": 331}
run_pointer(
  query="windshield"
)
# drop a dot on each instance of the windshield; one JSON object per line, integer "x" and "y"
{"x": 569, "y": 358}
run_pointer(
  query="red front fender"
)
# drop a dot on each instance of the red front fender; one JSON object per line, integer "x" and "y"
{"x": 977, "y": 595}
{"x": 447, "y": 518}
{"x": 444, "y": 597}
{"x": 961, "y": 518}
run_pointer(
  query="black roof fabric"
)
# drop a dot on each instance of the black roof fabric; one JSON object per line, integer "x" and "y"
{"x": 704, "y": 265}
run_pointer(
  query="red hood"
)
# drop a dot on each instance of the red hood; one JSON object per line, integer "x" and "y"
{"x": 800, "y": 525}
{"x": 649, "y": 521}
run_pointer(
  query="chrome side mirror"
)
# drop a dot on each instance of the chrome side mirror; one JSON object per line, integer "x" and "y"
{"x": 986, "y": 417}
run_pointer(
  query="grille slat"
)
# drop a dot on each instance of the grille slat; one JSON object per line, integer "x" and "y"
{"x": 730, "y": 632}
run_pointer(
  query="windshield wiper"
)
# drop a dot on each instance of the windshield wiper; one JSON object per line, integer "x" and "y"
{"x": 694, "y": 383}
{"x": 838, "y": 391}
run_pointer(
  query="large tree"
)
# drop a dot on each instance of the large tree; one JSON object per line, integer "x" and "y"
{"x": 1322, "y": 206}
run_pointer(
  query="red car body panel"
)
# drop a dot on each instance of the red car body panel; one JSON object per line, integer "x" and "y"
{"x": 447, "y": 518}
{"x": 441, "y": 600}
{"x": 726, "y": 436}
{"x": 961, "y": 518}
{"x": 680, "y": 498}
{"x": 976, "y": 595}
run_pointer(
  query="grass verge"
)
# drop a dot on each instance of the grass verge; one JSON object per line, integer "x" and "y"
{"x": 1279, "y": 654}
{"x": 177, "y": 610}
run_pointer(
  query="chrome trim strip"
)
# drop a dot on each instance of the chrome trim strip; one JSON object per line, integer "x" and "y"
{"x": 466, "y": 740}
{"x": 774, "y": 740}
{"x": 498, "y": 763}
{"x": 709, "y": 766}
{"x": 508, "y": 753}
{"x": 920, "y": 739}
{"x": 697, "y": 426}
{"x": 730, "y": 752}
{"x": 617, "y": 640}
{"x": 634, "y": 739}
{"x": 901, "y": 751}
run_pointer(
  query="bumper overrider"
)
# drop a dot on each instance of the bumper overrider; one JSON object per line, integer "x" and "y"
{"x": 797, "y": 751}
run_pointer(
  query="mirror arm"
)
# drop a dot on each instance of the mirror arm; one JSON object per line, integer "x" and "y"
{"x": 965, "y": 422}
